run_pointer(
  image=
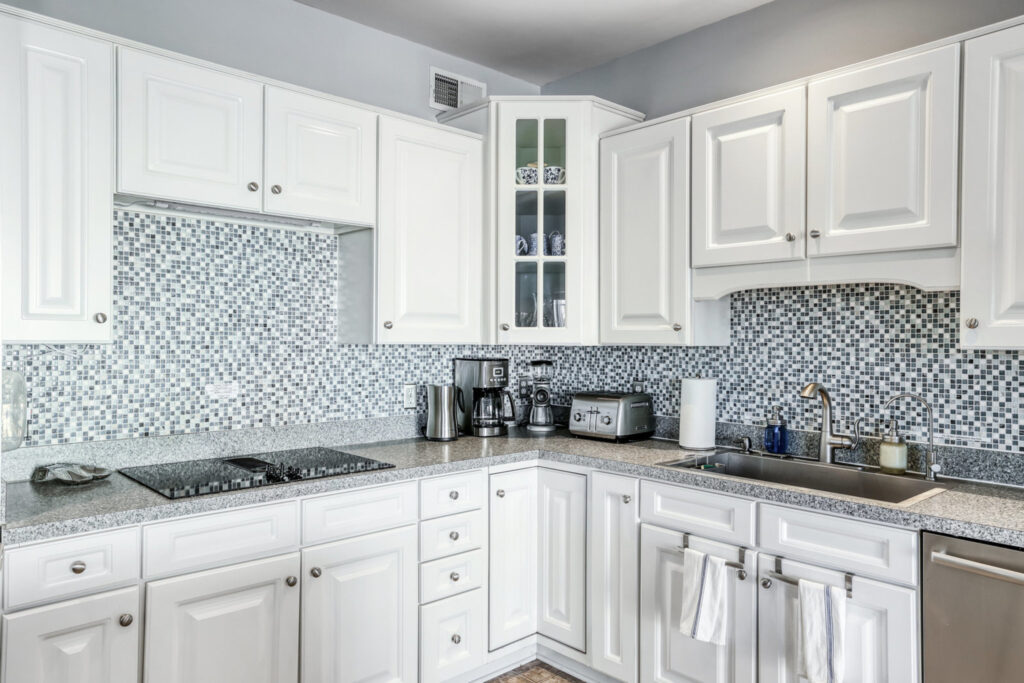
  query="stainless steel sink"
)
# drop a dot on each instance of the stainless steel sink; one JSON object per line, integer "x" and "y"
{"x": 844, "y": 479}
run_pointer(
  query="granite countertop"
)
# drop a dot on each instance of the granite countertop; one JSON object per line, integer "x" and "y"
{"x": 38, "y": 512}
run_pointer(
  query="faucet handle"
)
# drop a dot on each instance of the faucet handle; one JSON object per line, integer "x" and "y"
{"x": 856, "y": 434}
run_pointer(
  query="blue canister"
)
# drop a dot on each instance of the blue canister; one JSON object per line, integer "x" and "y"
{"x": 775, "y": 439}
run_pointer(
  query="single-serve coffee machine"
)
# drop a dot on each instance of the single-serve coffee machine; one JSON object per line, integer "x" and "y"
{"x": 481, "y": 387}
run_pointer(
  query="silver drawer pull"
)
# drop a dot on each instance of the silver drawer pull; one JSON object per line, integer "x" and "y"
{"x": 454, "y": 495}
{"x": 77, "y": 567}
{"x": 100, "y": 318}
{"x": 627, "y": 498}
{"x": 454, "y": 576}
{"x": 291, "y": 581}
{"x": 315, "y": 572}
{"x": 500, "y": 493}
{"x": 253, "y": 186}
{"x": 454, "y": 535}
{"x": 979, "y": 568}
{"x": 456, "y": 639}
{"x": 126, "y": 620}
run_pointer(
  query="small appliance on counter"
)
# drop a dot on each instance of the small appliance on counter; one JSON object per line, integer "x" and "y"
{"x": 612, "y": 415}
{"x": 441, "y": 425}
{"x": 892, "y": 452}
{"x": 776, "y": 438}
{"x": 697, "y": 411}
{"x": 481, "y": 387}
{"x": 542, "y": 416}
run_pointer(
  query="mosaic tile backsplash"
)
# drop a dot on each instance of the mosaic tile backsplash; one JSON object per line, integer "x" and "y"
{"x": 201, "y": 302}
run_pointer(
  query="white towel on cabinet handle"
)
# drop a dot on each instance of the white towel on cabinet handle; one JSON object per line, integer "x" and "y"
{"x": 704, "y": 603}
{"x": 822, "y": 631}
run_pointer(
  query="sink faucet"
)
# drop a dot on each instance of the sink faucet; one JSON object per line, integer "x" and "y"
{"x": 830, "y": 441}
{"x": 931, "y": 467}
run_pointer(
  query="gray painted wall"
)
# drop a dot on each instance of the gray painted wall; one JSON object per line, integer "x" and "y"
{"x": 774, "y": 43}
{"x": 285, "y": 40}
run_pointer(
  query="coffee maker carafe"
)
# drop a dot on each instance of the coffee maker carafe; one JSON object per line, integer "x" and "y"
{"x": 481, "y": 387}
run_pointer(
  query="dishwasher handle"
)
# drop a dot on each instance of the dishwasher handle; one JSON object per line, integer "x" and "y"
{"x": 980, "y": 568}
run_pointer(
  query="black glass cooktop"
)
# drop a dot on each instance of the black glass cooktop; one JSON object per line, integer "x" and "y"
{"x": 199, "y": 477}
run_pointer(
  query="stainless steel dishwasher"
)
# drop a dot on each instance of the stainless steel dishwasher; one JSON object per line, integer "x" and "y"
{"x": 973, "y": 608}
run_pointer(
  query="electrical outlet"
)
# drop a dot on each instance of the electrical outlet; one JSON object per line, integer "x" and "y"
{"x": 409, "y": 396}
{"x": 222, "y": 390}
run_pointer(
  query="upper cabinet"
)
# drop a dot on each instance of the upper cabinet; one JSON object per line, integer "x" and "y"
{"x": 992, "y": 298}
{"x": 321, "y": 159}
{"x": 748, "y": 181}
{"x": 645, "y": 272}
{"x": 882, "y": 156}
{"x": 429, "y": 240}
{"x": 188, "y": 133}
{"x": 56, "y": 171}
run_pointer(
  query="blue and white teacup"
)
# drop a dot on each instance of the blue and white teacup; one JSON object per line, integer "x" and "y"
{"x": 522, "y": 246}
{"x": 554, "y": 175}
{"x": 526, "y": 175}
{"x": 556, "y": 244}
{"x": 536, "y": 240}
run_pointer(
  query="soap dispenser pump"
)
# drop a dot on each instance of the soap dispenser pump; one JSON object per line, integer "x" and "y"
{"x": 775, "y": 438}
{"x": 892, "y": 452}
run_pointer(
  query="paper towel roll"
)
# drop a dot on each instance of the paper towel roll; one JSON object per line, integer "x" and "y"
{"x": 697, "y": 413}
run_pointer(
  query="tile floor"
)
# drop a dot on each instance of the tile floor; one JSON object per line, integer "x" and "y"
{"x": 535, "y": 672}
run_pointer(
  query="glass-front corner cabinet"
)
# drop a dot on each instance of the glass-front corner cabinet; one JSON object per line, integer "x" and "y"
{"x": 544, "y": 202}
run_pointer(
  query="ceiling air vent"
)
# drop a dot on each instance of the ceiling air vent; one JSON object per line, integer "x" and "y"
{"x": 451, "y": 91}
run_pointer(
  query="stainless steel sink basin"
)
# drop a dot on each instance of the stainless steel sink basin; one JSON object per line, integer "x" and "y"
{"x": 844, "y": 479}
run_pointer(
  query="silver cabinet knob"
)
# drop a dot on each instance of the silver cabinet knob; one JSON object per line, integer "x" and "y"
{"x": 505, "y": 327}
{"x": 790, "y": 237}
{"x": 972, "y": 323}
{"x": 766, "y": 583}
{"x": 677, "y": 327}
{"x": 815, "y": 234}
{"x": 315, "y": 572}
{"x": 454, "y": 535}
{"x": 456, "y": 639}
{"x": 253, "y": 186}
{"x": 100, "y": 318}
{"x": 454, "y": 495}
{"x": 291, "y": 581}
{"x": 77, "y": 567}
{"x": 627, "y": 498}
{"x": 388, "y": 324}
{"x": 454, "y": 576}
{"x": 125, "y": 620}
{"x": 276, "y": 189}
{"x": 500, "y": 493}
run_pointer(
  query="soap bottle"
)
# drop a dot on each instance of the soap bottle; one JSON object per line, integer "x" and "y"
{"x": 775, "y": 439}
{"x": 892, "y": 453}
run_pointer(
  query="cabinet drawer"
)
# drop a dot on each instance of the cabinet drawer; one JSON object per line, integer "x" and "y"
{"x": 849, "y": 545}
{"x": 452, "y": 493}
{"x": 353, "y": 513}
{"x": 450, "y": 535}
{"x": 713, "y": 515}
{"x": 453, "y": 637}
{"x": 451, "y": 575}
{"x": 86, "y": 564}
{"x": 218, "y": 539}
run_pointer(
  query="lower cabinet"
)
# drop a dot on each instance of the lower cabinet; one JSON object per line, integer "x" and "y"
{"x": 513, "y": 561}
{"x": 669, "y": 656}
{"x": 359, "y": 609}
{"x": 236, "y": 624}
{"x": 453, "y": 636}
{"x": 563, "y": 557}
{"x": 881, "y": 627}
{"x": 88, "y": 640}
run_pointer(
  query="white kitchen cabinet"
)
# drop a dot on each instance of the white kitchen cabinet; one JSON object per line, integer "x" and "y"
{"x": 513, "y": 556}
{"x": 430, "y": 235}
{"x": 614, "y": 581}
{"x": 562, "y": 589}
{"x": 235, "y": 624}
{"x": 88, "y": 640}
{"x": 320, "y": 158}
{"x": 882, "y": 626}
{"x": 188, "y": 133}
{"x": 992, "y": 290}
{"x": 645, "y": 242}
{"x": 359, "y": 620}
{"x": 669, "y": 656}
{"x": 453, "y": 637}
{"x": 748, "y": 181}
{"x": 56, "y": 183}
{"x": 882, "y": 156}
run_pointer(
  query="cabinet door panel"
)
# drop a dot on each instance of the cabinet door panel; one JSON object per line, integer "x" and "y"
{"x": 748, "y": 181}
{"x": 993, "y": 210}
{"x": 453, "y": 637}
{"x": 882, "y": 156}
{"x": 644, "y": 235}
{"x": 430, "y": 235}
{"x": 359, "y": 616}
{"x": 78, "y": 641}
{"x": 188, "y": 133}
{"x": 513, "y": 562}
{"x": 614, "y": 581}
{"x": 882, "y": 624}
{"x": 237, "y": 624}
{"x": 321, "y": 158}
{"x": 669, "y": 656}
{"x": 563, "y": 551}
{"x": 55, "y": 183}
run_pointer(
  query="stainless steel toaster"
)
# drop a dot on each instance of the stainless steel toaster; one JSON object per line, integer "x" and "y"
{"x": 612, "y": 415}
